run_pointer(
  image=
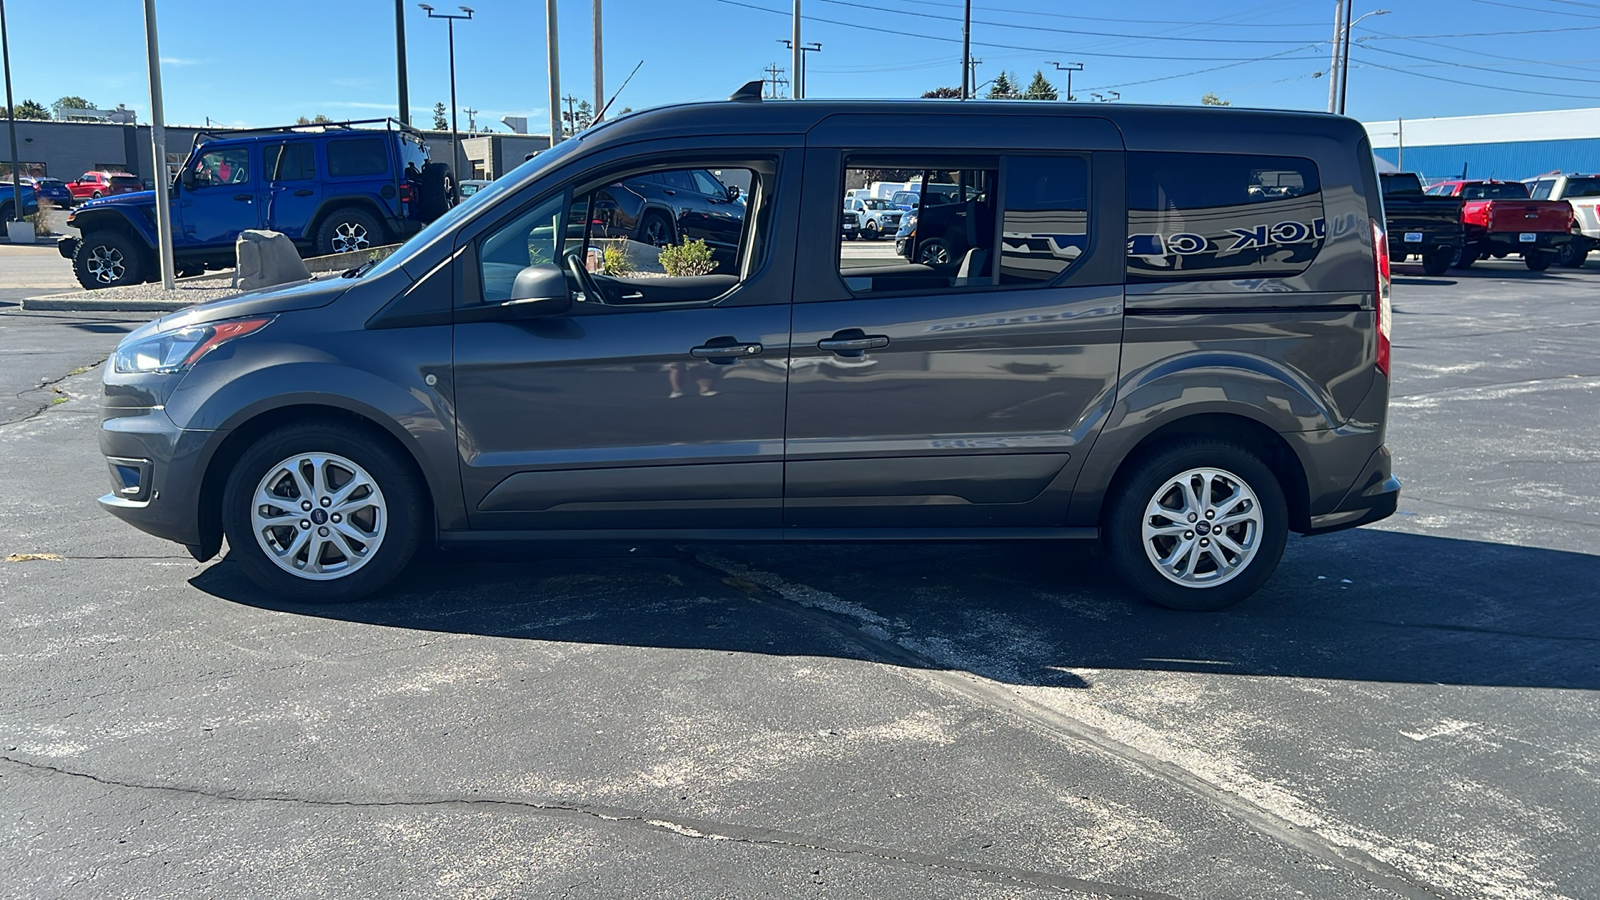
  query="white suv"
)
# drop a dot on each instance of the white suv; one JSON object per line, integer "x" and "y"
{"x": 878, "y": 216}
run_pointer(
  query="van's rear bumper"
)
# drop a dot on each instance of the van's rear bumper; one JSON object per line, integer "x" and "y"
{"x": 1376, "y": 495}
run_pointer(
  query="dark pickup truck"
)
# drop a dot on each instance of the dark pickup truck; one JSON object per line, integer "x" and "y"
{"x": 1419, "y": 225}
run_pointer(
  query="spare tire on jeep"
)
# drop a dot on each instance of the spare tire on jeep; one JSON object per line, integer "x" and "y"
{"x": 437, "y": 190}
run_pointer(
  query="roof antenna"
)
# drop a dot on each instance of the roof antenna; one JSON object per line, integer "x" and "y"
{"x": 750, "y": 93}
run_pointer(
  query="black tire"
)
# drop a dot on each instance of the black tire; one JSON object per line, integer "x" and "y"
{"x": 107, "y": 259}
{"x": 349, "y": 229}
{"x": 852, "y": 235}
{"x": 1538, "y": 261}
{"x": 95, "y": 196}
{"x": 402, "y": 502}
{"x": 936, "y": 252}
{"x": 1437, "y": 261}
{"x": 656, "y": 230}
{"x": 1463, "y": 259}
{"x": 870, "y": 230}
{"x": 437, "y": 191}
{"x": 1571, "y": 255}
{"x": 1123, "y": 531}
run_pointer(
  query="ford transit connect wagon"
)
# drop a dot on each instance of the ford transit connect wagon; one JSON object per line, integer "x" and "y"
{"x": 1163, "y": 328}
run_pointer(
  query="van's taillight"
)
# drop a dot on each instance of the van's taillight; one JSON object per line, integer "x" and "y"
{"x": 1380, "y": 259}
{"x": 406, "y": 195}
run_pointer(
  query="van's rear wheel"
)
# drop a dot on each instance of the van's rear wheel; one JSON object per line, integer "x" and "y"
{"x": 321, "y": 512}
{"x": 1198, "y": 525}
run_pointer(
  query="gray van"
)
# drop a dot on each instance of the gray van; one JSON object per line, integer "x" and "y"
{"x": 1163, "y": 328}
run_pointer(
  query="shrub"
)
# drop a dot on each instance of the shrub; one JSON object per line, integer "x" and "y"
{"x": 41, "y": 219}
{"x": 688, "y": 258}
{"x": 616, "y": 262}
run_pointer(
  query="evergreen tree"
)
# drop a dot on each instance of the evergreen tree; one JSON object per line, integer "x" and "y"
{"x": 29, "y": 109}
{"x": 1002, "y": 88}
{"x": 440, "y": 122}
{"x": 944, "y": 93}
{"x": 1040, "y": 88}
{"x": 1213, "y": 100}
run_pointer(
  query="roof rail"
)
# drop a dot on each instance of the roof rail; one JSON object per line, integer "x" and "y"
{"x": 207, "y": 135}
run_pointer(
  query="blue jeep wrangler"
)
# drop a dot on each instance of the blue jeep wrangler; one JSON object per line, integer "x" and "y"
{"x": 331, "y": 188}
{"x": 8, "y": 201}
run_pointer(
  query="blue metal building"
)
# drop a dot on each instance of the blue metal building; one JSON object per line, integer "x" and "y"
{"x": 1509, "y": 146}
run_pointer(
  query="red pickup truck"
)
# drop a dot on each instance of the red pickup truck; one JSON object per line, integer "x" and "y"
{"x": 1500, "y": 220}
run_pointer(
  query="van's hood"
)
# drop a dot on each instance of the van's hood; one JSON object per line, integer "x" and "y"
{"x": 284, "y": 298}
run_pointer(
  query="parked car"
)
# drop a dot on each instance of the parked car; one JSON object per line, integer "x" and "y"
{"x": 1499, "y": 220}
{"x": 1419, "y": 225}
{"x": 878, "y": 216}
{"x": 94, "y": 185}
{"x": 1209, "y": 374}
{"x": 8, "y": 202}
{"x": 849, "y": 225}
{"x": 950, "y": 222}
{"x": 470, "y": 186}
{"x": 667, "y": 207}
{"x": 1583, "y": 193}
{"x": 51, "y": 190}
{"x": 331, "y": 188}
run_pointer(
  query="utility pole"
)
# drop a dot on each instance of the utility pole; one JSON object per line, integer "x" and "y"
{"x": 773, "y": 71}
{"x": 158, "y": 147}
{"x": 572, "y": 113}
{"x": 599, "y": 68}
{"x": 553, "y": 59}
{"x": 972, "y": 66}
{"x": 1344, "y": 55}
{"x": 967, "y": 76}
{"x": 1069, "y": 68}
{"x": 797, "y": 55}
{"x": 11, "y": 120}
{"x": 400, "y": 60}
{"x": 472, "y": 124}
{"x": 799, "y": 86}
{"x": 1400, "y": 134}
{"x": 1333, "y": 65}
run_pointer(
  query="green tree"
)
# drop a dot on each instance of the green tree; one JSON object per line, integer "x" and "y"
{"x": 1003, "y": 87}
{"x": 73, "y": 102}
{"x": 440, "y": 123}
{"x": 30, "y": 109}
{"x": 1040, "y": 88}
{"x": 1213, "y": 100}
{"x": 318, "y": 119}
{"x": 943, "y": 93}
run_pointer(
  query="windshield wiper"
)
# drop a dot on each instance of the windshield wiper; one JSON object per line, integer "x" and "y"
{"x": 358, "y": 271}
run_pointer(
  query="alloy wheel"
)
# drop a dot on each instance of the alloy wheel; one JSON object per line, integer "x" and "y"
{"x": 318, "y": 516}
{"x": 1202, "y": 528}
{"x": 349, "y": 237}
{"x": 106, "y": 264}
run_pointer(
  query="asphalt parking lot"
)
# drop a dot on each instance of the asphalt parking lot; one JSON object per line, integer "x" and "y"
{"x": 1406, "y": 710}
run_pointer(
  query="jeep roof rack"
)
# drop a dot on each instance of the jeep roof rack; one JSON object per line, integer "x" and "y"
{"x": 205, "y": 136}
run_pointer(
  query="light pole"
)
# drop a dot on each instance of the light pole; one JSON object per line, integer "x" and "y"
{"x": 158, "y": 150}
{"x": 1069, "y": 68}
{"x": 966, "y": 53}
{"x": 599, "y": 67}
{"x": 455, "y": 135}
{"x": 797, "y": 52}
{"x": 800, "y": 76}
{"x": 552, "y": 58}
{"x": 400, "y": 60}
{"x": 11, "y": 119}
{"x": 1344, "y": 61}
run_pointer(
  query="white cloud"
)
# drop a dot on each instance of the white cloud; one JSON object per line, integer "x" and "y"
{"x": 181, "y": 61}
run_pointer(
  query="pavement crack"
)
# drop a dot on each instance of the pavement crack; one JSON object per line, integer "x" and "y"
{"x": 865, "y": 629}
{"x": 46, "y": 383}
{"x": 691, "y": 828}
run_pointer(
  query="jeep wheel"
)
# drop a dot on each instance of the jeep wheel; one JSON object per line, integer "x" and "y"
{"x": 322, "y": 512}
{"x": 1538, "y": 261}
{"x": 1198, "y": 525}
{"x": 109, "y": 259}
{"x": 1437, "y": 261}
{"x": 348, "y": 230}
{"x": 437, "y": 191}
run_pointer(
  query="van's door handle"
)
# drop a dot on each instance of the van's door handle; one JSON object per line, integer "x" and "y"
{"x": 854, "y": 345}
{"x": 244, "y": 197}
{"x": 725, "y": 354}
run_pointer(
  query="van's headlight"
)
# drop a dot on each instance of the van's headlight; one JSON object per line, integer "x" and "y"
{"x": 173, "y": 351}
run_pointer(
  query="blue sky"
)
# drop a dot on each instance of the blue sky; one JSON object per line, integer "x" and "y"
{"x": 264, "y": 64}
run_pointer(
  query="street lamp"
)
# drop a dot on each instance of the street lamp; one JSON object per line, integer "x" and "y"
{"x": 11, "y": 121}
{"x": 455, "y": 136}
{"x": 800, "y": 77}
{"x": 1069, "y": 68}
{"x": 1344, "y": 61}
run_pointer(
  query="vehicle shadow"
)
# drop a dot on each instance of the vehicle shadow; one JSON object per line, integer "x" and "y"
{"x": 1365, "y": 605}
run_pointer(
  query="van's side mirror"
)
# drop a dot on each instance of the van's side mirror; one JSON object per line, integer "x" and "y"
{"x": 540, "y": 289}
{"x": 733, "y": 192}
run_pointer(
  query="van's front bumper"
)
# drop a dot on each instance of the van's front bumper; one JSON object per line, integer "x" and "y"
{"x": 156, "y": 472}
{"x": 1375, "y": 496}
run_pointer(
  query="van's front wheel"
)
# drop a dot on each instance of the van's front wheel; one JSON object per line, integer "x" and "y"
{"x": 321, "y": 512}
{"x": 1198, "y": 525}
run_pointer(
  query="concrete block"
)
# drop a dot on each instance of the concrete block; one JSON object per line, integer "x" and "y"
{"x": 267, "y": 258}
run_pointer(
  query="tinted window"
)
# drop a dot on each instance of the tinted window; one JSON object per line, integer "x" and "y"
{"x": 1046, "y": 219}
{"x": 677, "y": 179}
{"x": 290, "y": 162}
{"x": 1582, "y": 187}
{"x": 708, "y": 185}
{"x": 1514, "y": 190}
{"x": 219, "y": 167}
{"x": 366, "y": 156}
{"x": 1400, "y": 185}
{"x": 1542, "y": 189}
{"x": 1210, "y": 215}
{"x": 128, "y": 181}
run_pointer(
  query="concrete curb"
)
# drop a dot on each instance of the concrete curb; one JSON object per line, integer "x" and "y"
{"x": 79, "y": 303}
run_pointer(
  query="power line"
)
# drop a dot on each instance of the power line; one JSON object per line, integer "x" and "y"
{"x": 1076, "y": 17}
{"x": 1198, "y": 71}
{"x": 1459, "y": 82}
{"x": 1142, "y": 37}
{"x": 955, "y": 40}
{"x": 1446, "y": 62}
{"x": 1553, "y": 12}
